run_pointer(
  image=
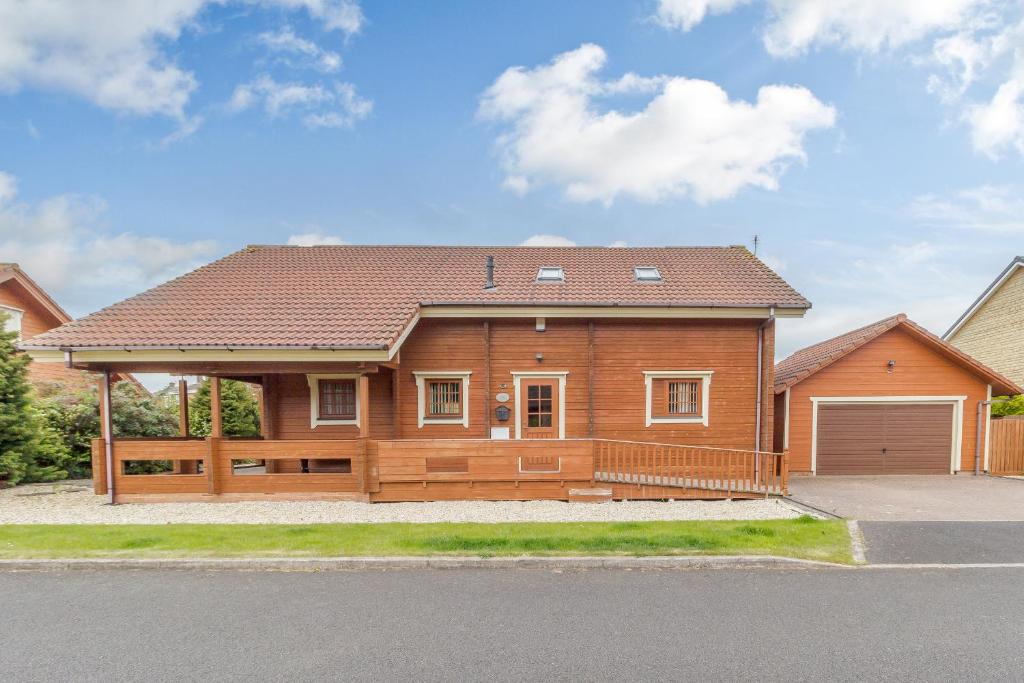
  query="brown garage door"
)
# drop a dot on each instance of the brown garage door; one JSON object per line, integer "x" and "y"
{"x": 884, "y": 438}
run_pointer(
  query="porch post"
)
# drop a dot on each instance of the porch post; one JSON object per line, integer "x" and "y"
{"x": 182, "y": 407}
{"x": 364, "y": 406}
{"x": 213, "y": 443}
{"x": 183, "y": 466}
{"x": 107, "y": 431}
{"x": 216, "y": 425}
{"x": 267, "y": 409}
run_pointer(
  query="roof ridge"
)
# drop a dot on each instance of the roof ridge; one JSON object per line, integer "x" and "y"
{"x": 844, "y": 334}
{"x": 730, "y": 247}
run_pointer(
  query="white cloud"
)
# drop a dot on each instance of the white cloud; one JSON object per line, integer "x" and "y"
{"x": 794, "y": 26}
{"x": 966, "y": 43}
{"x": 334, "y": 105}
{"x": 852, "y": 284}
{"x": 690, "y": 139}
{"x": 114, "y": 53}
{"x": 863, "y": 25}
{"x": 340, "y": 15}
{"x": 547, "y": 241}
{"x": 286, "y": 41}
{"x": 63, "y": 245}
{"x": 988, "y": 208}
{"x": 310, "y": 239}
{"x": 685, "y": 14}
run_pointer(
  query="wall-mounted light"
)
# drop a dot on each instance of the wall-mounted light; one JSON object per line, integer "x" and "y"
{"x": 890, "y": 366}
{"x": 540, "y": 357}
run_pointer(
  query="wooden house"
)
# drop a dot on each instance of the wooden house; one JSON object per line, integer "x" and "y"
{"x": 30, "y": 311}
{"x": 419, "y": 373}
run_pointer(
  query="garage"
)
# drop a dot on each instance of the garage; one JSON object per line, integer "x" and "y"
{"x": 884, "y": 438}
{"x": 886, "y": 398}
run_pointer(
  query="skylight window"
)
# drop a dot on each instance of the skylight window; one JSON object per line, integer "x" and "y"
{"x": 551, "y": 274}
{"x": 647, "y": 274}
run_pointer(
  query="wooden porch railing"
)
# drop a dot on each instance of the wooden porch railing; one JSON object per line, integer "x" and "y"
{"x": 335, "y": 467}
{"x": 218, "y": 475}
{"x": 691, "y": 467}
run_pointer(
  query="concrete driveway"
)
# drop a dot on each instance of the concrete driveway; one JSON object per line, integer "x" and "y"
{"x": 955, "y": 498}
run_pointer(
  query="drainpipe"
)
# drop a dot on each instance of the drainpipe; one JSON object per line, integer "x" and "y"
{"x": 760, "y": 353}
{"x": 108, "y": 435}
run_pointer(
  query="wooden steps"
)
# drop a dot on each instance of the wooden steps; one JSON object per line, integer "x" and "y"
{"x": 590, "y": 495}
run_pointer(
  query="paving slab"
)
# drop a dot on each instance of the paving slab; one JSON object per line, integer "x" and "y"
{"x": 951, "y": 498}
{"x": 943, "y": 542}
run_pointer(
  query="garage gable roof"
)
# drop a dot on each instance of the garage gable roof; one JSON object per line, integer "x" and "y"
{"x": 807, "y": 361}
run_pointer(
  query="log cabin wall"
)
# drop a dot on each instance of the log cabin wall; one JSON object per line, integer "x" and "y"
{"x": 622, "y": 350}
{"x": 35, "y": 319}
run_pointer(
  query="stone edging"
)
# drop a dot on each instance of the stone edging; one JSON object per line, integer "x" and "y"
{"x": 385, "y": 563}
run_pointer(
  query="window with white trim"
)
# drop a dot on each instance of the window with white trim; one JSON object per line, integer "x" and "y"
{"x": 647, "y": 274}
{"x": 12, "y": 320}
{"x": 677, "y": 396}
{"x": 442, "y": 397}
{"x": 333, "y": 400}
{"x": 550, "y": 274}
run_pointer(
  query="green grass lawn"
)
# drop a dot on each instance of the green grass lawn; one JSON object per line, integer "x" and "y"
{"x": 803, "y": 538}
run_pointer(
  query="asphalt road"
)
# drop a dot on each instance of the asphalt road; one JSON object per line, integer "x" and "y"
{"x": 951, "y": 624}
{"x": 943, "y": 542}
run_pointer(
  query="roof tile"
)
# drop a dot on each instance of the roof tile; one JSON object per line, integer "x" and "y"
{"x": 363, "y": 296}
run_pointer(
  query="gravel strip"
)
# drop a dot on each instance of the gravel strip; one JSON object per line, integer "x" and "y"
{"x": 74, "y": 503}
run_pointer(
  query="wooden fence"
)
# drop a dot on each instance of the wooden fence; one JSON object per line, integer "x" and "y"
{"x": 1006, "y": 454}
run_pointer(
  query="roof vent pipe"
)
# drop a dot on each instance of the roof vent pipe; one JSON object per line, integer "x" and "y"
{"x": 490, "y": 273}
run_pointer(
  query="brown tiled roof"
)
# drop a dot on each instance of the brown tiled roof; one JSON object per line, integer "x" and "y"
{"x": 807, "y": 361}
{"x": 364, "y": 296}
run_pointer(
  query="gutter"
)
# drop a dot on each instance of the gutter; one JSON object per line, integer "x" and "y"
{"x": 214, "y": 347}
{"x": 611, "y": 304}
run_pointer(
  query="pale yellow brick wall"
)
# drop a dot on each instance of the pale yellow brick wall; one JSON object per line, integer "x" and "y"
{"x": 995, "y": 333}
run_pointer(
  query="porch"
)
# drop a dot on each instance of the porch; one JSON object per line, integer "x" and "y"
{"x": 400, "y": 470}
{"x": 367, "y": 455}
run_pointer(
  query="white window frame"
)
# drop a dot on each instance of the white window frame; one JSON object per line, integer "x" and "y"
{"x": 314, "y": 401}
{"x": 517, "y": 411}
{"x": 958, "y": 419}
{"x": 705, "y": 398}
{"x": 559, "y": 278}
{"x": 657, "y": 273}
{"x": 421, "y": 397}
{"x": 16, "y": 316}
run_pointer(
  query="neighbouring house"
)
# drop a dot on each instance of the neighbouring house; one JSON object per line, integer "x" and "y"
{"x": 992, "y": 328}
{"x": 420, "y": 373}
{"x": 887, "y": 398}
{"x": 170, "y": 395}
{"x": 30, "y": 312}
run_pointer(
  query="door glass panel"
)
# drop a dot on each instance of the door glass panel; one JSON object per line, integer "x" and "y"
{"x": 539, "y": 405}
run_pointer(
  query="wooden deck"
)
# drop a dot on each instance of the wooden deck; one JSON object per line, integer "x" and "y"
{"x": 391, "y": 470}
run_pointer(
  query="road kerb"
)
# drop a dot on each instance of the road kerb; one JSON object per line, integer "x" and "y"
{"x": 393, "y": 563}
{"x": 856, "y": 542}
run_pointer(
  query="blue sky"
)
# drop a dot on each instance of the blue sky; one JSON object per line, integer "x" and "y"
{"x": 875, "y": 147}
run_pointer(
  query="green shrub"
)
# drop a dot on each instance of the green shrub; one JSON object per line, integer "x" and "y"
{"x": 240, "y": 412}
{"x": 29, "y": 449}
{"x": 1002, "y": 406}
